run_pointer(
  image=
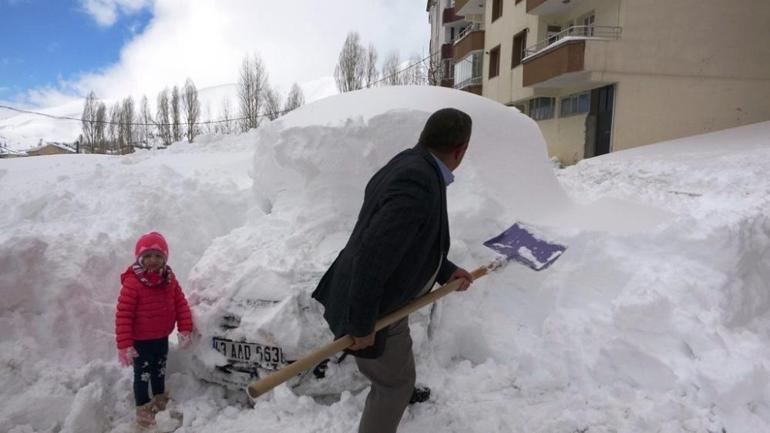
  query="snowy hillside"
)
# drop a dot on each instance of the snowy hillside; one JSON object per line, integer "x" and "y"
{"x": 23, "y": 131}
{"x": 654, "y": 319}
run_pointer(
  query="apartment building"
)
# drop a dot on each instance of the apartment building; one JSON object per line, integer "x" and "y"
{"x": 605, "y": 75}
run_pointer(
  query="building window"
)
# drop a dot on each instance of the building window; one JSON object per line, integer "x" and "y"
{"x": 494, "y": 62}
{"x": 518, "y": 1}
{"x": 574, "y": 104}
{"x": 588, "y": 21}
{"x": 552, "y": 34}
{"x": 467, "y": 72}
{"x": 519, "y": 44}
{"x": 497, "y": 9}
{"x": 541, "y": 108}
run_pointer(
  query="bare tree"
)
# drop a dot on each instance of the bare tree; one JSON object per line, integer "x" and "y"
{"x": 192, "y": 109}
{"x": 88, "y": 119}
{"x": 295, "y": 99}
{"x": 370, "y": 67}
{"x": 272, "y": 104}
{"x": 176, "y": 115}
{"x": 435, "y": 73}
{"x": 226, "y": 126}
{"x": 145, "y": 117}
{"x": 162, "y": 118}
{"x": 350, "y": 70}
{"x": 251, "y": 91}
{"x": 391, "y": 75}
{"x": 207, "y": 127}
{"x": 128, "y": 119}
{"x": 415, "y": 73}
{"x": 113, "y": 129}
{"x": 100, "y": 139}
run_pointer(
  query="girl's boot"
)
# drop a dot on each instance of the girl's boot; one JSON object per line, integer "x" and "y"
{"x": 160, "y": 403}
{"x": 145, "y": 416}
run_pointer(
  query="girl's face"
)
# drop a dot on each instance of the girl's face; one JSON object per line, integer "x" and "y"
{"x": 152, "y": 261}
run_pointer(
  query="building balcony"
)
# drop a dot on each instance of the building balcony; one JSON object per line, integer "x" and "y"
{"x": 470, "y": 39}
{"x": 549, "y": 7}
{"x": 449, "y": 16}
{"x": 472, "y": 85}
{"x": 470, "y": 7}
{"x": 447, "y": 51}
{"x": 561, "y": 59}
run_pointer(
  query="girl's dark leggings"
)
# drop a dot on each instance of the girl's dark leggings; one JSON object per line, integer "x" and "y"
{"x": 149, "y": 369}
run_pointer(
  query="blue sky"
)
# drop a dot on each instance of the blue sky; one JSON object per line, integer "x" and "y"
{"x": 44, "y": 41}
{"x": 55, "y": 51}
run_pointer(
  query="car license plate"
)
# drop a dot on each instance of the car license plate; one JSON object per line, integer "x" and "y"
{"x": 267, "y": 357}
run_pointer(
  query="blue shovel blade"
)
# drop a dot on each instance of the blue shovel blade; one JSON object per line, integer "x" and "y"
{"x": 518, "y": 244}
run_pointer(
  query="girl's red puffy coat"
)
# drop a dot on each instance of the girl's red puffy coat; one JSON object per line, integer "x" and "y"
{"x": 148, "y": 313}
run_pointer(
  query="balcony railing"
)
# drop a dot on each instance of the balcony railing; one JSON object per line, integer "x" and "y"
{"x": 573, "y": 33}
{"x": 473, "y": 81}
{"x": 473, "y": 41}
{"x": 468, "y": 30}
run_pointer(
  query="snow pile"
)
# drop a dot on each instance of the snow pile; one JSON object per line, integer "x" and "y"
{"x": 68, "y": 231}
{"x": 310, "y": 169}
{"x": 654, "y": 319}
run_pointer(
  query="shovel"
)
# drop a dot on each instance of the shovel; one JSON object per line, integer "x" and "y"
{"x": 516, "y": 243}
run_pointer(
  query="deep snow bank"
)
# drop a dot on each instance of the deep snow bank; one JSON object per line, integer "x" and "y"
{"x": 629, "y": 331}
{"x": 310, "y": 169}
{"x": 67, "y": 231}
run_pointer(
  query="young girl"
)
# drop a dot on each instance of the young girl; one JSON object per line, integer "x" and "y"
{"x": 150, "y": 303}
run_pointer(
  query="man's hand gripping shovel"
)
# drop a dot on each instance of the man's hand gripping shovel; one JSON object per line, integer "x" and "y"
{"x": 516, "y": 243}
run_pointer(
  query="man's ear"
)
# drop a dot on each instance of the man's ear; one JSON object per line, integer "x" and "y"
{"x": 460, "y": 152}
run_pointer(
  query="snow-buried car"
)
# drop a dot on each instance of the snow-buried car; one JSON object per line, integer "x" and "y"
{"x": 251, "y": 289}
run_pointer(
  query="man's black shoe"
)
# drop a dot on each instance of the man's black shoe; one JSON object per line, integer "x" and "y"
{"x": 420, "y": 394}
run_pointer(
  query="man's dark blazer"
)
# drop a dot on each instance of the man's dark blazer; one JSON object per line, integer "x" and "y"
{"x": 401, "y": 232}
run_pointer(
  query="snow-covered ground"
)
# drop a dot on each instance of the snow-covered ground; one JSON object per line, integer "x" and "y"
{"x": 654, "y": 319}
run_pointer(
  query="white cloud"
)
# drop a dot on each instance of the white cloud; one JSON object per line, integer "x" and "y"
{"x": 206, "y": 40}
{"x": 105, "y": 12}
{"x": 47, "y": 97}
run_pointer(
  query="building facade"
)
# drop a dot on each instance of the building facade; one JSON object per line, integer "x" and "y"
{"x": 605, "y": 75}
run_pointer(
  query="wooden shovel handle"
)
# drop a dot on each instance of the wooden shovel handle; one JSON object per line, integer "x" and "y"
{"x": 265, "y": 384}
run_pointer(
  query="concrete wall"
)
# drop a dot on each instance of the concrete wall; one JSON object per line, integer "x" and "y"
{"x": 506, "y": 87}
{"x": 565, "y": 137}
{"x": 695, "y": 38}
{"x": 685, "y": 67}
{"x": 649, "y": 109}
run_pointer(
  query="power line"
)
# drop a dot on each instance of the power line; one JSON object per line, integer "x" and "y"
{"x": 207, "y": 122}
{"x": 109, "y": 122}
{"x": 399, "y": 72}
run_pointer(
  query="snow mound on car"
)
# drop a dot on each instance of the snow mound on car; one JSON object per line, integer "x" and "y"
{"x": 310, "y": 169}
